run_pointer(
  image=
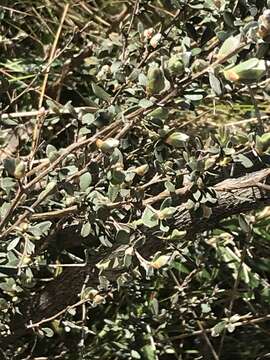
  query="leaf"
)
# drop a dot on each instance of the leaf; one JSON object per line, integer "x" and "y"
{"x": 246, "y": 72}
{"x": 51, "y": 153}
{"x": 85, "y": 181}
{"x": 149, "y": 217}
{"x": 166, "y": 213}
{"x": 48, "y": 332}
{"x": 177, "y": 139}
{"x": 218, "y": 328}
{"x": 40, "y": 229}
{"x": 243, "y": 223}
{"x": 154, "y": 306}
{"x": 100, "y": 93}
{"x": 160, "y": 261}
{"x": 244, "y": 160}
{"x": 13, "y": 244}
{"x": 160, "y": 113}
{"x": 177, "y": 235}
{"x": 230, "y": 327}
{"x": 48, "y": 190}
{"x": 144, "y": 103}
{"x": 205, "y": 308}
{"x": 135, "y": 355}
{"x": 86, "y": 229}
{"x": 113, "y": 192}
{"x": 149, "y": 352}
{"x": 215, "y": 84}
{"x": 122, "y": 236}
{"x": 88, "y": 118}
{"x": 228, "y": 46}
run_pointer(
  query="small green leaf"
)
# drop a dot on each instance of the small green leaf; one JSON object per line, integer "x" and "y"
{"x": 149, "y": 217}
{"x": 215, "y": 84}
{"x": 228, "y": 46}
{"x": 135, "y": 355}
{"x": 48, "y": 332}
{"x": 244, "y": 160}
{"x": 88, "y": 119}
{"x": 100, "y": 93}
{"x": 160, "y": 113}
{"x": 122, "y": 236}
{"x": 51, "y": 153}
{"x": 218, "y": 328}
{"x": 13, "y": 244}
{"x": 85, "y": 181}
{"x": 177, "y": 139}
{"x": 144, "y": 103}
{"x": 243, "y": 223}
{"x": 86, "y": 229}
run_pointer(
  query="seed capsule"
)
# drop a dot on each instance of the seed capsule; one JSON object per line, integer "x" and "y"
{"x": 246, "y": 72}
{"x": 175, "y": 65}
{"x": 155, "y": 81}
{"x": 19, "y": 170}
{"x": 199, "y": 65}
{"x": 141, "y": 170}
{"x": 264, "y": 25}
{"x": 107, "y": 146}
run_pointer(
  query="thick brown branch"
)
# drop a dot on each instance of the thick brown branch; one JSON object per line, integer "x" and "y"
{"x": 233, "y": 197}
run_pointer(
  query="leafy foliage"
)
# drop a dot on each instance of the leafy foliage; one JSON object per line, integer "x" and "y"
{"x": 117, "y": 118}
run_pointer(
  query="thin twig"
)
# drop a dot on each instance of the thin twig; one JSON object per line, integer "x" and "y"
{"x": 43, "y": 89}
{"x": 36, "y": 325}
{"x": 235, "y": 286}
{"x": 251, "y": 321}
{"x": 41, "y": 118}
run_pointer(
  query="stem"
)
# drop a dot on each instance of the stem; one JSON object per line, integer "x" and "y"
{"x": 257, "y": 111}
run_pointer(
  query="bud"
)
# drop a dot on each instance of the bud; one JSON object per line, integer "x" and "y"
{"x": 56, "y": 325}
{"x": 103, "y": 72}
{"x": 51, "y": 153}
{"x": 264, "y": 25}
{"x": 24, "y": 226}
{"x": 19, "y": 170}
{"x": 155, "y": 81}
{"x": 141, "y": 170}
{"x": 160, "y": 261}
{"x": 155, "y": 40}
{"x": 262, "y": 143}
{"x": 108, "y": 145}
{"x": 175, "y": 65}
{"x": 247, "y": 72}
{"x": 148, "y": 33}
{"x": 26, "y": 260}
{"x": 177, "y": 139}
{"x": 166, "y": 213}
{"x": 70, "y": 200}
{"x": 98, "y": 299}
{"x": 199, "y": 65}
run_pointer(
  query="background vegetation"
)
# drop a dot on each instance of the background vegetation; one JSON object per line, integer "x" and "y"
{"x": 134, "y": 200}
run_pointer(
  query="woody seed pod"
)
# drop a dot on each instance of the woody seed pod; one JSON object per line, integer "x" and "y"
{"x": 19, "y": 170}
{"x": 155, "y": 81}
{"x": 247, "y": 72}
{"x": 175, "y": 65}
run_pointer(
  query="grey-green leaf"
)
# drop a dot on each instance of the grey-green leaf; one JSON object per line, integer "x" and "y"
{"x": 100, "y": 93}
